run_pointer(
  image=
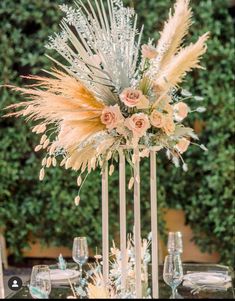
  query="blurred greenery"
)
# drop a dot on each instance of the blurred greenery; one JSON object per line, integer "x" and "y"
{"x": 46, "y": 211}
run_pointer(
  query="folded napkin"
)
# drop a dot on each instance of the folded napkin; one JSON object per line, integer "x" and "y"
{"x": 212, "y": 281}
{"x": 62, "y": 264}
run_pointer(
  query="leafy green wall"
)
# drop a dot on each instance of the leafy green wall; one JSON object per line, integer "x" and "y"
{"x": 46, "y": 210}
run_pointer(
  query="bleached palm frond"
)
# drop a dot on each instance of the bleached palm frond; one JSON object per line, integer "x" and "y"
{"x": 103, "y": 48}
{"x": 187, "y": 59}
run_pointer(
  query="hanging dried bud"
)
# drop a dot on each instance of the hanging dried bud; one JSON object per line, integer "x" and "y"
{"x": 41, "y": 129}
{"x": 62, "y": 163}
{"x": 67, "y": 164}
{"x": 52, "y": 149}
{"x": 79, "y": 181}
{"x": 43, "y": 139}
{"x": 35, "y": 129}
{"x": 111, "y": 170}
{"x": 49, "y": 160}
{"x": 93, "y": 162}
{"x": 38, "y": 148}
{"x": 185, "y": 167}
{"x": 42, "y": 174}
{"x": 109, "y": 156}
{"x": 46, "y": 143}
{"x": 77, "y": 200}
{"x": 131, "y": 183}
{"x": 54, "y": 162}
{"x": 44, "y": 161}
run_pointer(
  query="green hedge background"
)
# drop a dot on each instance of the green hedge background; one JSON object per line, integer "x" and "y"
{"x": 46, "y": 210}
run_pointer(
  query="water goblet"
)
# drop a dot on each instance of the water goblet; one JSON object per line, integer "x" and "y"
{"x": 80, "y": 252}
{"x": 173, "y": 272}
{"x": 175, "y": 243}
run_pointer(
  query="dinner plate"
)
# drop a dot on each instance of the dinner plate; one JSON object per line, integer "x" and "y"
{"x": 58, "y": 276}
{"x": 207, "y": 278}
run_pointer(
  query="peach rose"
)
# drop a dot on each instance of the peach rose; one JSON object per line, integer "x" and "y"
{"x": 181, "y": 111}
{"x": 138, "y": 124}
{"x": 149, "y": 52}
{"x": 111, "y": 117}
{"x": 169, "y": 126}
{"x": 131, "y": 97}
{"x": 169, "y": 109}
{"x": 182, "y": 145}
{"x": 157, "y": 119}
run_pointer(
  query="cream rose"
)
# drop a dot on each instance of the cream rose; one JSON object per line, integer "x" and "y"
{"x": 157, "y": 119}
{"x": 169, "y": 126}
{"x": 111, "y": 117}
{"x": 181, "y": 111}
{"x": 182, "y": 145}
{"x": 149, "y": 52}
{"x": 131, "y": 97}
{"x": 138, "y": 124}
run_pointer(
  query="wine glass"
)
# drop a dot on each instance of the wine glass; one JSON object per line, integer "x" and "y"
{"x": 175, "y": 243}
{"x": 173, "y": 272}
{"x": 80, "y": 252}
{"x": 40, "y": 282}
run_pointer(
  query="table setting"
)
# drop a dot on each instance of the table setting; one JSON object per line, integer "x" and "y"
{"x": 83, "y": 278}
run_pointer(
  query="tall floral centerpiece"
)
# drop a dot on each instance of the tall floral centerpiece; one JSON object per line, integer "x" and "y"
{"x": 111, "y": 98}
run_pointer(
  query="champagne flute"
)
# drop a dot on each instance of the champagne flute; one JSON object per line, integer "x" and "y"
{"x": 173, "y": 272}
{"x": 40, "y": 282}
{"x": 175, "y": 243}
{"x": 80, "y": 252}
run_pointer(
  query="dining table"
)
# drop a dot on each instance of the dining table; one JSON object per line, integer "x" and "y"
{"x": 62, "y": 292}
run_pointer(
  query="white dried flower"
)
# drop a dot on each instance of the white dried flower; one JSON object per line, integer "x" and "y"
{"x": 77, "y": 200}
{"x": 185, "y": 167}
{"x": 131, "y": 183}
{"x": 111, "y": 170}
{"x": 201, "y": 109}
{"x": 79, "y": 181}
{"x": 42, "y": 174}
{"x": 46, "y": 143}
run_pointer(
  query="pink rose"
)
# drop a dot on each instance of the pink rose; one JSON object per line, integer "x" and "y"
{"x": 131, "y": 97}
{"x": 157, "y": 119}
{"x": 182, "y": 145}
{"x": 138, "y": 124}
{"x": 111, "y": 117}
{"x": 181, "y": 111}
{"x": 149, "y": 52}
{"x": 169, "y": 126}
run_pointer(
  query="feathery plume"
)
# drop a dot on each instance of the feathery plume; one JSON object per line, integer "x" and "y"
{"x": 175, "y": 29}
{"x": 187, "y": 59}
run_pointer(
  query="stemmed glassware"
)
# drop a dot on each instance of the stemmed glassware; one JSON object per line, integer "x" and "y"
{"x": 173, "y": 272}
{"x": 175, "y": 243}
{"x": 40, "y": 282}
{"x": 80, "y": 252}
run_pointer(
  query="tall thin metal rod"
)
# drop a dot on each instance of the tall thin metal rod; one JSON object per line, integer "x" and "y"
{"x": 137, "y": 226}
{"x": 105, "y": 225}
{"x": 122, "y": 198}
{"x": 154, "y": 224}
